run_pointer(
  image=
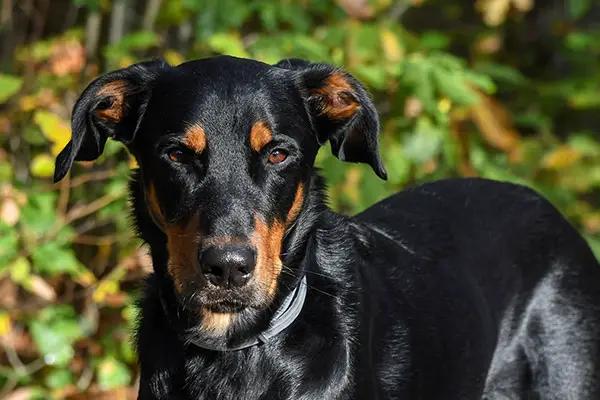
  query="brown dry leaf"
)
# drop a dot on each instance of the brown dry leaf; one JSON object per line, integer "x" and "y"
{"x": 562, "y": 157}
{"x": 68, "y": 57}
{"x": 359, "y": 9}
{"x": 413, "y": 107}
{"x": 429, "y": 167}
{"x": 8, "y": 293}
{"x": 9, "y": 211}
{"x": 38, "y": 286}
{"x": 24, "y": 393}
{"x": 4, "y": 124}
{"x": 489, "y": 44}
{"x": 494, "y": 122}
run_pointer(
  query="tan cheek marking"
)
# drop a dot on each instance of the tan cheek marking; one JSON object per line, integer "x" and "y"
{"x": 338, "y": 104}
{"x": 195, "y": 138}
{"x": 115, "y": 90}
{"x": 296, "y": 205}
{"x": 216, "y": 323}
{"x": 268, "y": 241}
{"x": 182, "y": 243}
{"x": 260, "y": 135}
{"x": 153, "y": 205}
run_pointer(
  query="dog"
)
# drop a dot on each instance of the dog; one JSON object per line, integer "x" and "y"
{"x": 458, "y": 289}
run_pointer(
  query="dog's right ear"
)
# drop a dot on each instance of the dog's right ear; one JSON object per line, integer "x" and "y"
{"x": 111, "y": 106}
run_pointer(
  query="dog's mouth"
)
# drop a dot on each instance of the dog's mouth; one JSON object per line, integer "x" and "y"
{"x": 225, "y": 306}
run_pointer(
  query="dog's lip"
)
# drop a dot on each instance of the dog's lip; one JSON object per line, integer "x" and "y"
{"x": 227, "y": 305}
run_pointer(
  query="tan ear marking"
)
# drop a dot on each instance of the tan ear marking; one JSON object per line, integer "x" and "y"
{"x": 116, "y": 92}
{"x": 338, "y": 103}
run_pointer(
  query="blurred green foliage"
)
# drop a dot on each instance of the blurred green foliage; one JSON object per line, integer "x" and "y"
{"x": 505, "y": 89}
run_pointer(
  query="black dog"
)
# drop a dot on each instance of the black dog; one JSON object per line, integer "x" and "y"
{"x": 459, "y": 289}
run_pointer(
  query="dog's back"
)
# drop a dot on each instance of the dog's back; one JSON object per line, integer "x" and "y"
{"x": 486, "y": 276}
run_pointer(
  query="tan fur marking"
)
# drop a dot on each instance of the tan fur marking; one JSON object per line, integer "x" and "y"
{"x": 216, "y": 323}
{"x": 260, "y": 135}
{"x": 153, "y": 205}
{"x": 115, "y": 90}
{"x": 338, "y": 104}
{"x": 195, "y": 138}
{"x": 182, "y": 243}
{"x": 296, "y": 205}
{"x": 268, "y": 241}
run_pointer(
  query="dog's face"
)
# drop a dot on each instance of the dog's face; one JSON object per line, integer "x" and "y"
{"x": 226, "y": 148}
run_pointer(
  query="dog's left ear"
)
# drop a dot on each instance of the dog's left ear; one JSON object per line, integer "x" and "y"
{"x": 341, "y": 110}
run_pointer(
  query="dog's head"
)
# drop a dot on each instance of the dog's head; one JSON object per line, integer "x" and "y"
{"x": 225, "y": 148}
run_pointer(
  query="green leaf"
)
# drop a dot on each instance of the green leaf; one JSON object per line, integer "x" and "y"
{"x": 577, "y": 8}
{"x": 454, "y": 85}
{"x": 48, "y": 258}
{"x": 9, "y": 86}
{"x": 54, "y": 331}
{"x": 424, "y": 143}
{"x": 397, "y": 164}
{"x": 500, "y": 73}
{"x": 373, "y": 76}
{"x": 59, "y": 378}
{"x": 9, "y": 245}
{"x": 39, "y": 215}
{"x": 228, "y": 43}
{"x": 112, "y": 374}
{"x": 435, "y": 40}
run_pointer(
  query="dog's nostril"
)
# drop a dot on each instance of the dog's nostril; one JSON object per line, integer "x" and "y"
{"x": 228, "y": 264}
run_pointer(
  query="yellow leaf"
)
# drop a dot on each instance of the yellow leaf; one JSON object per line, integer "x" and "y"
{"x": 173, "y": 57}
{"x": 28, "y": 103}
{"x": 444, "y": 105}
{"x": 85, "y": 278}
{"x": 42, "y": 166}
{"x": 125, "y": 61}
{"x": 5, "y": 324}
{"x": 133, "y": 164}
{"x": 392, "y": 49}
{"x": 494, "y": 11}
{"x": 562, "y": 157}
{"x": 54, "y": 129}
{"x": 104, "y": 289}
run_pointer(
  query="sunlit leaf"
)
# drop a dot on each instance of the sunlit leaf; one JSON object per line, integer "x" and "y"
{"x": 9, "y": 86}
{"x": 54, "y": 129}
{"x": 562, "y": 157}
{"x": 112, "y": 374}
{"x": 54, "y": 331}
{"x": 228, "y": 43}
{"x": 42, "y": 166}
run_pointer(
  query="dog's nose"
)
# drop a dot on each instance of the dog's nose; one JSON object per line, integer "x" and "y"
{"x": 228, "y": 265}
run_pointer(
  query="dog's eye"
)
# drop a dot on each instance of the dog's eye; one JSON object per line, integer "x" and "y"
{"x": 277, "y": 156}
{"x": 176, "y": 155}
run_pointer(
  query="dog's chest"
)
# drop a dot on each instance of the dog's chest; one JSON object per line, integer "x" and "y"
{"x": 239, "y": 376}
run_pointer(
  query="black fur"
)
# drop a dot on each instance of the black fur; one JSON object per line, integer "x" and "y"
{"x": 457, "y": 289}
